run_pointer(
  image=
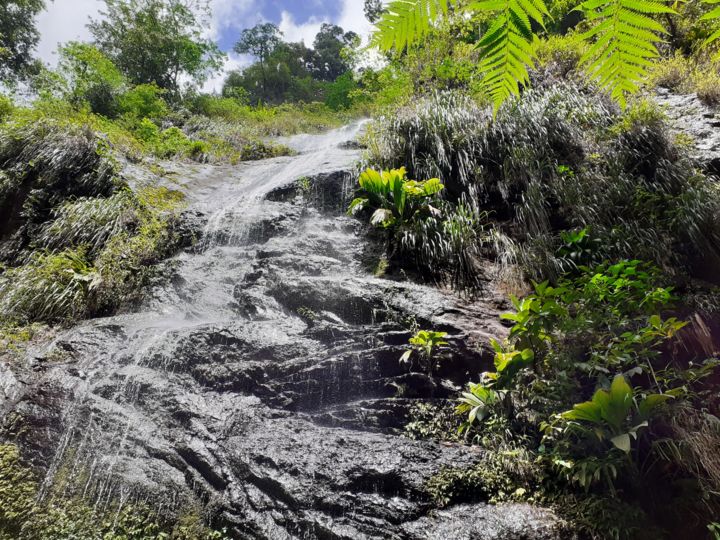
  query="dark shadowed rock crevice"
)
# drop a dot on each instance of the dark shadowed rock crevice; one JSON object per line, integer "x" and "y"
{"x": 260, "y": 378}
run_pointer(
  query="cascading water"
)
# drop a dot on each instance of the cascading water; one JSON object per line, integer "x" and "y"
{"x": 261, "y": 378}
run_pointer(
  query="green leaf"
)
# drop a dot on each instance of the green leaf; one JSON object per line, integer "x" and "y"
{"x": 622, "y": 442}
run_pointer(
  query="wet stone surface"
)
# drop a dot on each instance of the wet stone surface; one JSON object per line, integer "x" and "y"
{"x": 260, "y": 377}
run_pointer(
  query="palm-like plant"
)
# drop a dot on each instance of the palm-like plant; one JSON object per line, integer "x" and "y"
{"x": 394, "y": 199}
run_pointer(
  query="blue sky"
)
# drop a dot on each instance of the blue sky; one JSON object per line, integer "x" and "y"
{"x": 66, "y": 20}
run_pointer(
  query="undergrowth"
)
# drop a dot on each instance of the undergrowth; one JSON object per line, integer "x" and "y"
{"x": 62, "y": 516}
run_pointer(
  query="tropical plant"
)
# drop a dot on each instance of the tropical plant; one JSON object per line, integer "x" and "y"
{"x": 623, "y": 37}
{"x": 394, "y": 199}
{"x": 424, "y": 345}
{"x": 477, "y": 403}
{"x": 615, "y": 415}
{"x": 712, "y": 15}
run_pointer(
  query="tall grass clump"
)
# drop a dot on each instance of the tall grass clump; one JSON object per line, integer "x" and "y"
{"x": 561, "y": 159}
{"x": 88, "y": 221}
{"x": 50, "y": 287}
{"x": 436, "y": 137}
{"x": 42, "y": 165}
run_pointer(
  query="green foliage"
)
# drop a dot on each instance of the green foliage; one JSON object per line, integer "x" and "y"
{"x": 706, "y": 84}
{"x": 157, "y": 41}
{"x": 18, "y": 38}
{"x": 50, "y": 287}
{"x": 560, "y": 159}
{"x": 674, "y": 73}
{"x": 507, "y": 46}
{"x": 17, "y": 492}
{"x": 406, "y": 22}
{"x": 560, "y": 52}
{"x": 90, "y": 78}
{"x": 615, "y": 414}
{"x": 6, "y": 107}
{"x": 144, "y": 101}
{"x": 712, "y": 15}
{"x": 433, "y": 420}
{"x": 339, "y": 94}
{"x": 394, "y": 199}
{"x": 88, "y": 221}
{"x": 423, "y": 346}
{"x": 626, "y": 37}
{"x": 501, "y": 476}
{"x": 22, "y": 517}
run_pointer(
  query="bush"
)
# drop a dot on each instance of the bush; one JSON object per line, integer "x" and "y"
{"x": 144, "y": 101}
{"x": 52, "y": 287}
{"x": 42, "y": 164}
{"x": 590, "y": 363}
{"x": 561, "y": 158}
{"x": 707, "y": 86}
{"x": 6, "y": 107}
{"x": 673, "y": 73}
{"x": 439, "y": 239}
{"x": 561, "y": 54}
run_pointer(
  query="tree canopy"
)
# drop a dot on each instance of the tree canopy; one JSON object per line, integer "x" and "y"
{"x": 158, "y": 41}
{"x": 289, "y": 71}
{"x": 18, "y": 37}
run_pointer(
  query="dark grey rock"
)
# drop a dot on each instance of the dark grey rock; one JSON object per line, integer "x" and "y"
{"x": 260, "y": 378}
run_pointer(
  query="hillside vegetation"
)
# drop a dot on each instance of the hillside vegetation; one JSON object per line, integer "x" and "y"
{"x": 515, "y": 150}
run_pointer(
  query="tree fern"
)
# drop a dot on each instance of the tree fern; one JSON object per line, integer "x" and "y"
{"x": 624, "y": 37}
{"x": 713, "y": 14}
{"x": 507, "y": 46}
{"x": 406, "y": 22}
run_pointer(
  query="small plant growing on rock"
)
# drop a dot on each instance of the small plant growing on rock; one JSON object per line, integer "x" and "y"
{"x": 423, "y": 346}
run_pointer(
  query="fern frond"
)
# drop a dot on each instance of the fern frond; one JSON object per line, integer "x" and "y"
{"x": 507, "y": 47}
{"x": 622, "y": 43}
{"x": 713, "y": 14}
{"x": 406, "y": 22}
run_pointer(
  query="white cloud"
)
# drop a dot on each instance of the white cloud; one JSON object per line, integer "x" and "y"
{"x": 305, "y": 32}
{"x": 230, "y": 14}
{"x": 352, "y": 17}
{"x": 63, "y": 21}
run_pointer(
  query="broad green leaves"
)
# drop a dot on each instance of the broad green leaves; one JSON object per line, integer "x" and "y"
{"x": 393, "y": 198}
{"x": 424, "y": 344}
{"x": 624, "y": 35}
{"x": 615, "y": 415}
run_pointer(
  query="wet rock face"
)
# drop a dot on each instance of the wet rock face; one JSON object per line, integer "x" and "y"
{"x": 261, "y": 379}
{"x": 690, "y": 116}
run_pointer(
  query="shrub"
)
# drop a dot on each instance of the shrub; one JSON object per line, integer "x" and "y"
{"x": 561, "y": 54}
{"x": 673, "y": 73}
{"x": 560, "y": 159}
{"x": 43, "y": 164}
{"x": 88, "y": 221}
{"x": 144, "y": 101}
{"x": 707, "y": 86}
{"x": 438, "y": 238}
{"x": 6, "y": 107}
